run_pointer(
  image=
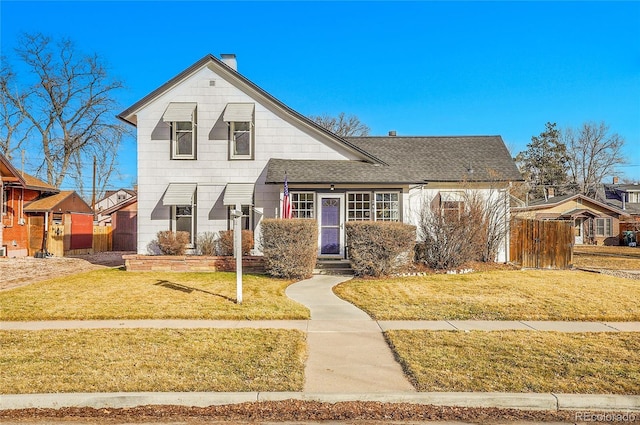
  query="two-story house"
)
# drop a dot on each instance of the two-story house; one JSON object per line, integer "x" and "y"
{"x": 209, "y": 141}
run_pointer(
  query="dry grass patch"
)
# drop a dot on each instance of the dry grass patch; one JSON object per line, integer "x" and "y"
{"x": 599, "y": 261}
{"x": 114, "y": 360}
{"x": 498, "y": 295}
{"x": 116, "y": 294}
{"x": 520, "y": 361}
{"x": 630, "y": 251}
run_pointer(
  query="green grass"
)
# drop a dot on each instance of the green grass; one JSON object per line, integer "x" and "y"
{"x": 114, "y": 360}
{"x": 498, "y": 295}
{"x": 520, "y": 361}
{"x": 117, "y": 294}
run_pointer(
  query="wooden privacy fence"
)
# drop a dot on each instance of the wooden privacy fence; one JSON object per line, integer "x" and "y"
{"x": 541, "y": 244}
{"x": 59, "y": 240}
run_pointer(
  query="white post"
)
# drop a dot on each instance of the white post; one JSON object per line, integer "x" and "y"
{"x": 237, "y": 247}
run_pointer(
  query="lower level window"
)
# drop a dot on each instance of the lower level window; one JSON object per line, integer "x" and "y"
{"x": 247, "y": 222}
{"x": 603, "y": 227}
{"x": 182, "y": 220}
{"x": 359, "y": 206}
{"x": 387, "y": 206}
{"x": 303, "y": 204}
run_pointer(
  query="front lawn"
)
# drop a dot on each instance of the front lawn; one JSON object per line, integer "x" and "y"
{"x": 498, "y": 295}
{"x": 117, "y": 294}
{"x": 520, "y": 361}
{"x": 129, "y": 360}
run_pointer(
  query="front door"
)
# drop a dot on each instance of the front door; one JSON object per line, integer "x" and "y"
{"x": 579, "y": 231}
{"x": 331, "y": 240}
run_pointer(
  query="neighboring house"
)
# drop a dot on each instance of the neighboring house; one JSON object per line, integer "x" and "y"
{"x": 625, "y": 197}
{"x": 70, "y": 212}
{"x": 18, "y": 191}
{"x": 210, "y": 141}
{"x": 123, "y": 218}
{"x": 594, "y": 222}
{"x": 112, "y": 198}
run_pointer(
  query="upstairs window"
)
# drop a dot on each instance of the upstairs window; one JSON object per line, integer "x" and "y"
{"x": 181, "y": 116}
{"x": 241, "y": 143}
{"x": 182, "y": 140}
{"x": 239, "y": 117}
{"x": 634, "y": 197}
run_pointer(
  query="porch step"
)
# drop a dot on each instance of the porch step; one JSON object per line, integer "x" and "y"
{"x": 333, "y": 267}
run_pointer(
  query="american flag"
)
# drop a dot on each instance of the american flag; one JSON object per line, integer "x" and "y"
{"x": 287, "y": 211}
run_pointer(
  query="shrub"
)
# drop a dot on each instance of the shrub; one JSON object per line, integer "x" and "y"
{"x": 378, "y": 248}
{"x": 206, "y": 243}
{"x": 290, "y": 247}
{"x": 172, "y": 243}
{"x": 225, "y": 242}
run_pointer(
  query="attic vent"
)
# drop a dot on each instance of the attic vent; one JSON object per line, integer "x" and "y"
{"x": 212, "y": 83}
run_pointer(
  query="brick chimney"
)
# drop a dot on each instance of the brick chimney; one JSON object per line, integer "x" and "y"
{"x": 615, "y": 179}
{"x": 392, "y": 133}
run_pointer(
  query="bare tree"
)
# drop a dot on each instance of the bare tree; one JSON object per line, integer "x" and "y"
{"x": 593, "y": 154}
{"x": 13, "y": 129}
{"x": 472, "y": 227}
{"x": 342, "y": 125}
{"x": 70, "y": 106}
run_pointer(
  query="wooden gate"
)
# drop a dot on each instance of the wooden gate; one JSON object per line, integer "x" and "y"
{"x": 36, "y": 233}
{"x": 125, "y": 230}
{"x": 541, "y": 244}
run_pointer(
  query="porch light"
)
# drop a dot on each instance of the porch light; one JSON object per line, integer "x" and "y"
{"x": 332, "y": 187}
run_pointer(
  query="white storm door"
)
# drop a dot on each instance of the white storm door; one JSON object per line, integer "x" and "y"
{"x": 331, "y": 225}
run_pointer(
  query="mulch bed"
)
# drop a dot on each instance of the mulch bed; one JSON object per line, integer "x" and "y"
{"x": 295, "y": 410}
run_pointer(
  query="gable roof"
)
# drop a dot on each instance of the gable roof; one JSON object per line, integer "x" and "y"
{"x": 117, "y": 207}
{"x": 8, "y": 172}
{"x": 558, "y": 200}
{"x": 407, "y": 160}
{"x": 50, "y": 202}
{"x": 34, "y": 183}
{"x": 27, "y": 181}
{"x": 232, "y": 76}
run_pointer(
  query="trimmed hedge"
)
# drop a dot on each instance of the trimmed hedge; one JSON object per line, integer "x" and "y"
{"x": 379, "y": 248}
{"x": 290, "y": 247}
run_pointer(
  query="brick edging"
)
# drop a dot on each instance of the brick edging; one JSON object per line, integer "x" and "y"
{"x": 191, "y": 263}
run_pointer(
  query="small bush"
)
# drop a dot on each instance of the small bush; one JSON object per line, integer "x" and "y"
{"x": 290, "y": 247}
{"x": 378, "y": 248}
{"x": 172, "y": 243}
{"x": 206, "y": 243}
{"x": 225, "y": 242}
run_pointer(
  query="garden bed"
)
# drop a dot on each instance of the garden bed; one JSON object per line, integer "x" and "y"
{"x": 191, "y": 263}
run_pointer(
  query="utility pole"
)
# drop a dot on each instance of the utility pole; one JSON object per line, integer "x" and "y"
{"x": 93, "y": 196}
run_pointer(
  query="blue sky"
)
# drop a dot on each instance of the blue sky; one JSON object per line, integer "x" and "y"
{"x": 420, "y": 68}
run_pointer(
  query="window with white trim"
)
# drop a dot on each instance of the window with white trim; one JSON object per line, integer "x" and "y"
{"x": 183, "y": 140}
{"x": 358, "y": 206}
{"x": 182, "y": 220}
{"x": 241, "y": 140}
{"x": 387, "y": 206}
{"x": 634, "y": 197}
{"x": 603, "y": 227}
{"x": 246, "y": 219}
{"x": 303, "y": 204}
{"x": 5, "y": 201}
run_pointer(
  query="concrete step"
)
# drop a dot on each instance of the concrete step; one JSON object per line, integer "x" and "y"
{"x": 338, "y": 267}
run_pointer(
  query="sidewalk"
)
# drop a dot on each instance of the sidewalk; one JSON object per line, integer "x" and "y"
{"x": 349, "y": 359}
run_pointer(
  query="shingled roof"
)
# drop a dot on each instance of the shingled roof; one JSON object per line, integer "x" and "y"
{"x": 409, "y": 160}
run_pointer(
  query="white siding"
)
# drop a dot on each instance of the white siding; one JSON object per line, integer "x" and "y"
{"x": 212, "y": 170}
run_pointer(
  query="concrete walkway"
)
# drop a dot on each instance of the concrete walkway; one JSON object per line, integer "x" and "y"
{"x": 347, "y": 351}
